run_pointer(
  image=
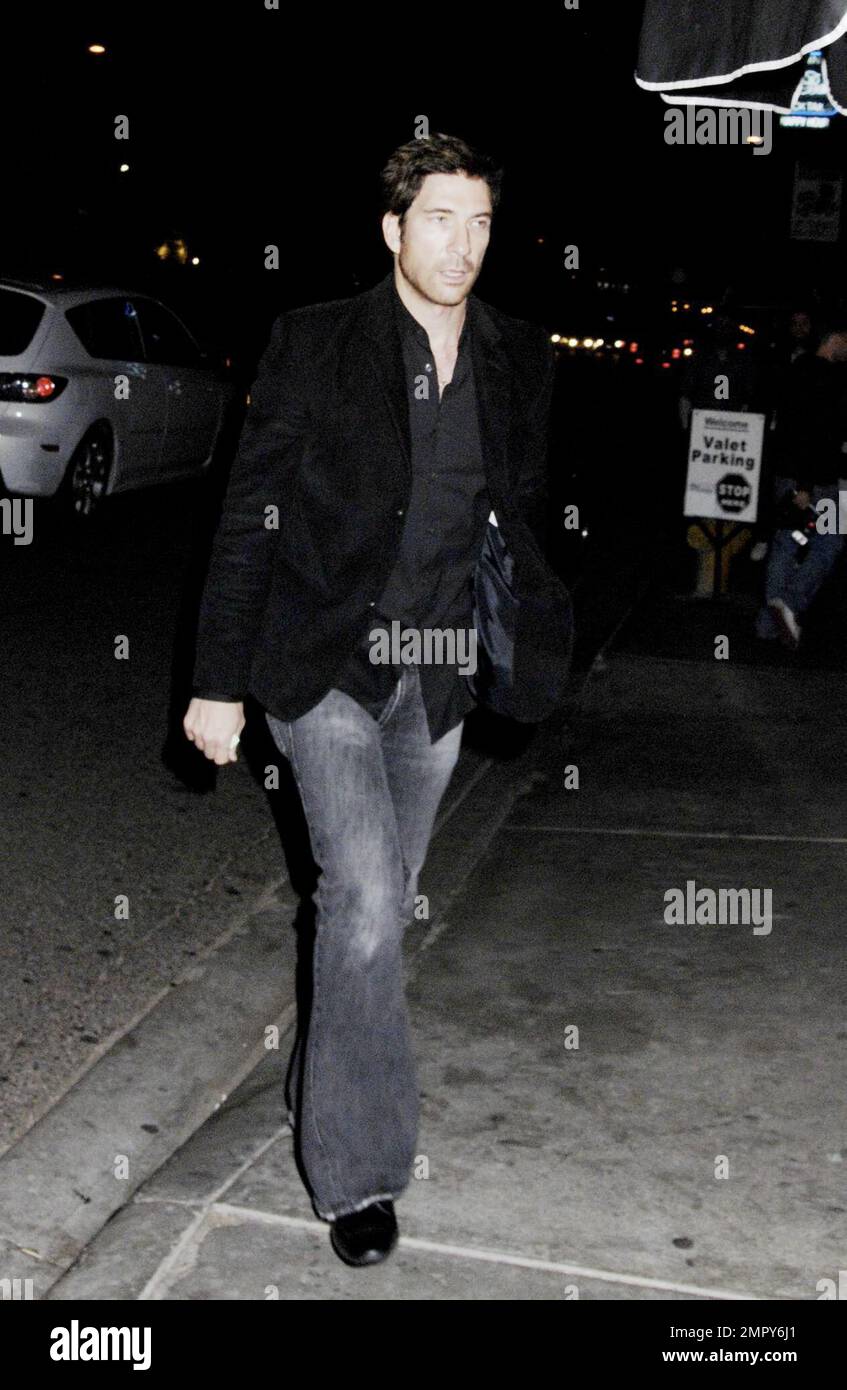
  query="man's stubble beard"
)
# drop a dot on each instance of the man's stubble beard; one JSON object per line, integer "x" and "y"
{"x": 425, "y": 293}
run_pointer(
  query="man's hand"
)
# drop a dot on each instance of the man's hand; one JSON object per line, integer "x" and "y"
{"x": 211, "y": 726}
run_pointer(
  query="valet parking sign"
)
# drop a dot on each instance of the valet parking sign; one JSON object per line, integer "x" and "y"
{"x": 724, "y": 464}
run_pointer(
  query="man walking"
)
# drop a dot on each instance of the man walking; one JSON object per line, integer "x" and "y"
{"x": 393, "y": 441}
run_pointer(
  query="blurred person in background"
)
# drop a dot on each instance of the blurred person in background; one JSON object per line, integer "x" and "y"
{"x": 808, "y": 463}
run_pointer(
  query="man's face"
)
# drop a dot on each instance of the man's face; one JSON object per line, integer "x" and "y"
{"x": 446, "y": 230}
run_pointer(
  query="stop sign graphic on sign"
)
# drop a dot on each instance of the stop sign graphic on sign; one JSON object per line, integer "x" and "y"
{"x": 733, "y": 493}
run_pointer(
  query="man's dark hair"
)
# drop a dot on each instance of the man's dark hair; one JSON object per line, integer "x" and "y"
{"x": 409, "y": 165}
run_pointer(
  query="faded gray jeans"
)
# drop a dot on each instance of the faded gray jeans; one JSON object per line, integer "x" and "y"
{"x": 370, "y": 790}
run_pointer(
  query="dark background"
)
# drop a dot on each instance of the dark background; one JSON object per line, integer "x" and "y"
{"x": 251, "y": 127}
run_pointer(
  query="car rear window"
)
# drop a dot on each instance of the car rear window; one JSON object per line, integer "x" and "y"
{"x": 20, "y": 315}
{"x": 108, "y": 328}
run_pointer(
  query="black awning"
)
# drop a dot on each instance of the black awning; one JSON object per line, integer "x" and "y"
{"x": 741, "y": 52}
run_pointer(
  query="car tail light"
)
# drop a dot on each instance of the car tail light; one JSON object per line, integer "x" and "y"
{"x": 31, "y": 387}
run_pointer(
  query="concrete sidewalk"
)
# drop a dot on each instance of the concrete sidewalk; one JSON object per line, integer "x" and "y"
{"x": 549, "y": 1170}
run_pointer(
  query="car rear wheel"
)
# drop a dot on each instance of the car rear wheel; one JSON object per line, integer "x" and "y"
{"x": 87, "y": 475}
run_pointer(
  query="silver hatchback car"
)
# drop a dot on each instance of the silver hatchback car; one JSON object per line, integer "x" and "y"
{"x": 101, "y": 390}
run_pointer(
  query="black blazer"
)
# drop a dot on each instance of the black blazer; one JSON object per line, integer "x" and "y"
{"x": 325, "y": 457}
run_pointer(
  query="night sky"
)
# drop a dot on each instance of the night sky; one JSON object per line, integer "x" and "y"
{"x": 250, "y": 127}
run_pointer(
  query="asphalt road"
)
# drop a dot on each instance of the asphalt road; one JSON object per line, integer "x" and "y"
{"x": 103, "y": 795}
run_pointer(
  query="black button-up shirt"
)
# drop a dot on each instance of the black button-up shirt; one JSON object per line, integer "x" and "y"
{"x": 431, "y": 585}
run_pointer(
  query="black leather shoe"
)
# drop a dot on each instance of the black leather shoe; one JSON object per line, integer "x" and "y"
{"x": 365, "y": 1237}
